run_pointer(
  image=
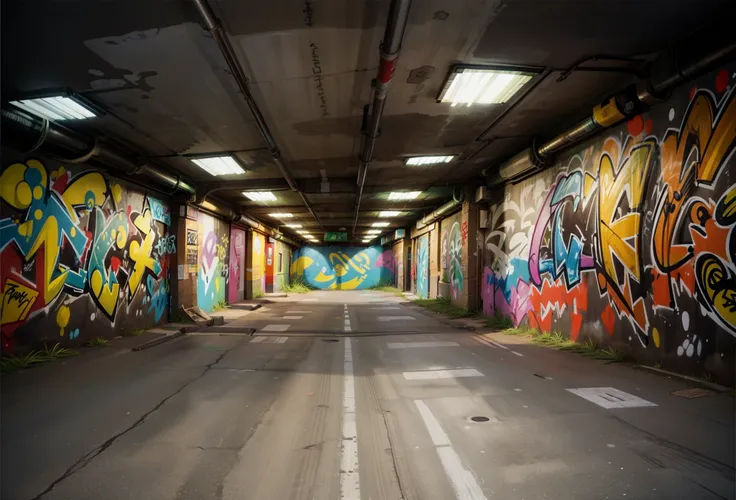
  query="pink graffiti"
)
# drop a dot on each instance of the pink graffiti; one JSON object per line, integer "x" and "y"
{"x": 495, "y": 302}
{"x": 208, "y": 249}
{"x": 387, "y": 260}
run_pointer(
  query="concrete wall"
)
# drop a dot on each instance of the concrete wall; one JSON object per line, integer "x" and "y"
{"x": 255, "y": 265}
{"x": 399, "y": 264}
{"x": 282, "y": 258}
{"x": 343, "y": 267}
{"x": 629, "y": 239}
{"x": 82, "y": 254}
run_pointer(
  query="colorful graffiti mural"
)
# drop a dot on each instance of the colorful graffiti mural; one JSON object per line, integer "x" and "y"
{"x": 236, "y": 283}
{"x": 80, "y": 249}
{"x": 214, "y": 259}
{"x": 644, "y": 218}
{"x": 452, "y": 241}
{"x": 343, "y": 268}
{"x": 423, "y": 266}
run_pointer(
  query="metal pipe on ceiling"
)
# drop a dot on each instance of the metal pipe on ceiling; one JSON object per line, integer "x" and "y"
{"x": 438, "y": 213}
{"x": 692, "y": 61}
{"x": 389, "y": 52}
{"x": 33, "y": 133}
{"x": 214, "y": 26}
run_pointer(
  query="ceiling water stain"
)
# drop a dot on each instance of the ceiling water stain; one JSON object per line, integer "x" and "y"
{"x": 419, "y": 75}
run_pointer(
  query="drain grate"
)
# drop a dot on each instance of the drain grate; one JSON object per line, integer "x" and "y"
{"x": 479, "y": 419}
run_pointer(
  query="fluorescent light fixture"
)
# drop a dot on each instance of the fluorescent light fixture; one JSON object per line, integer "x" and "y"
{"x": 259, "y": 195}
{"x": 479, "y": 85}
{"x": 373, "y": 231}
{"x": 294, "y": 226}
{"x": 389, "y": 213}
{"x": 380, "y": 224}
{"x": 306, "y": 234}
{"x": 219, "y": 165}
{"x": 281, "y": 215}
{"x": 56, "y": 108}
{"x": 404, "y": 195}
{"x": 429, "y": 160}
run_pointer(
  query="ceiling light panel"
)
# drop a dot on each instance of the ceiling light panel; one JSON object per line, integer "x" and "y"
{"x": 281, "y": 215}
{"x": 259, "y": 195}
{"x": 429, "y": 160}
{"x": 57, "y": 108}
{"x": 373, "y": 231}
{"x": 388, "y": 213}
{"x": 404, "y": 195}
{"x": 219, "y": 165}
{"x": 294, "y": 226}
{"x": 482, "y": 86}
{"x": 380, "y": 224}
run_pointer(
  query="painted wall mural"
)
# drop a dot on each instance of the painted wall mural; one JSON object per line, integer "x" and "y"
{"x": 423, "y": 266}
{"x": 634, "y": 241}
{"x": 343, "y": 268}
{"x": 451, "y": 253}
{"x": 236, "y": 282}
{"x": 214, "y": 271}
{"x": 81, "y": 255}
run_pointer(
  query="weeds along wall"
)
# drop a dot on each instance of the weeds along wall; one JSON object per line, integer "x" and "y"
{"x": 629, "y": 239}
{"x": 343, "y": 268}
{"x": 82, "y": 254}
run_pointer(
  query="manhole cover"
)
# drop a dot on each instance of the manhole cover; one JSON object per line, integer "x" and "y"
{"x": 330, "y": 340}
{"x": 479, "y": 419}
{"x": 693, "y": 393}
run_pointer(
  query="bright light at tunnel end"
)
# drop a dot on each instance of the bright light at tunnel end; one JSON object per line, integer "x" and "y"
{"x": 479, "y": 85}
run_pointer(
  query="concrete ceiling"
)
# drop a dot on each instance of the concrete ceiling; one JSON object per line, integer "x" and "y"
{"x": 169, "y": 94}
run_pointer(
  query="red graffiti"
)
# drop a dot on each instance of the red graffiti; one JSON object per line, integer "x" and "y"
{"x": 609, "y": 319}
{"x": 464, "y": 231}
{"x": 556, "y": 298}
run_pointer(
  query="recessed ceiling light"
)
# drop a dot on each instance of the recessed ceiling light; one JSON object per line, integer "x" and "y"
{"x": 294, "y": 226}
{"x": 404, "y": 195}
{"x": 429, "y": 160}
{"x": 381, "y": 224}
{"x": 259, "y": 195}
{"x": 56, "y": 108}
{"x": 219, "y": 165}
{"x": 281, "y": 215}
{"x": 373, "y": 231}
{"x": 389, "y": 213}
{"x": 482, "y": 85}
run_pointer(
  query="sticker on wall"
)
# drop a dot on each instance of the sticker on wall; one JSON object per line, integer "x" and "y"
{"x": 181, "y": 272}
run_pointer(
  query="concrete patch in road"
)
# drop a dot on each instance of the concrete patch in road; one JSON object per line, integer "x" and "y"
{"x": 396, "y": 318}
{"x": 410, "y": 345}
{"x": 275, "y": 328}
{"x": 442, "y": 374}
{"x": 609, "y": 397}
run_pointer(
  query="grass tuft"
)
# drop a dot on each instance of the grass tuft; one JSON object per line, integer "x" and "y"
{"x": 57, "y": 352}
{"x": 500, "y": 322}
{"x": 97, "y": 342}
{"x": 296, "y": 285}
{"x": 444, "y": 306}
{"x": 135, "y": 332}
{"x": 10, "y": 364}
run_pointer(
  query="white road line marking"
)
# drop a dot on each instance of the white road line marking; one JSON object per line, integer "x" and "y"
{"x": 462, "y": 479}
{"x": 439, "y": 374}
{"x": 497, "y": 344}
{"x": 269, "y": 340}
{"x": 396, "y": 318}
{"x": 280, "y": 340}
{"x": 409, "y": 345}
{"x": 348, "y": 329}
{"x": 518, "y": 353}
{"x": 257, "y": 340}
{"x": 608, "y": 397}
{"x": 385, "y": 308}
{"x": 349, "y": 476}
{"x": 308, "y": 300}
{"x": 275, "y": 328}
{"x": 292, "y": 317}
{"x": 298, "y": 312}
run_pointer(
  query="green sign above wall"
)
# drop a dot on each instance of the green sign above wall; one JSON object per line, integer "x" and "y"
{"x": 336, "y": 236}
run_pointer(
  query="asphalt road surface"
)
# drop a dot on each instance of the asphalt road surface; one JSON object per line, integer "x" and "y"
{"x": 354, "y": 395}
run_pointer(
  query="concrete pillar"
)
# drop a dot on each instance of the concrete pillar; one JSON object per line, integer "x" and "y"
{"x": 470, "y": 225}
{"x": 184, "y": 272}
{"x": 434, "y": 260}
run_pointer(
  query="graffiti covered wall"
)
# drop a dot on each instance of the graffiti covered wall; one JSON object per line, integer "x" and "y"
{"x": 633, "y": 243}
{"x": 214, "y": 241}
{"x": 255, "y": 272}
{"x": 82, "y": 255}
{"x": 452, "y": 282}
{"x": 343, "y": 268}
{"x": 399, "y": 278}
{"x": 236, "y": 281}
{"x": 422, "y": 273}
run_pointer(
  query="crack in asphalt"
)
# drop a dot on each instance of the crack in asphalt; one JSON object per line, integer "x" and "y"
{"x": 89, "y": 457}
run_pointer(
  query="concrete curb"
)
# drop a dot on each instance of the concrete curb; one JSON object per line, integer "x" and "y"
{"x": 439, "y": 317}
{"x": 709, "y": 385}
{"x": 158, "y": 341}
